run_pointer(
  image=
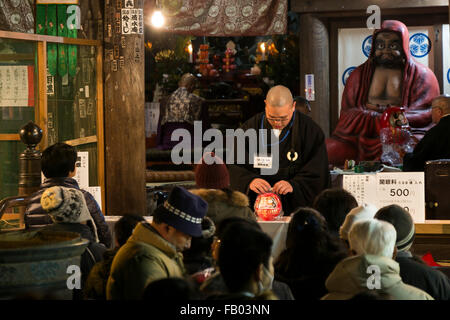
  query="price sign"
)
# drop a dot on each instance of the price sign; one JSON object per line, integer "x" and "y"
{"x": 362, "y": 187}
{"x": 406, "y": 189}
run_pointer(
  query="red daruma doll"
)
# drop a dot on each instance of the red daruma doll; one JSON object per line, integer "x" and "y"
{"x": 268, "y": 206}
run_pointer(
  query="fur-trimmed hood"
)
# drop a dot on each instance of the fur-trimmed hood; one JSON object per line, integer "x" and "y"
{"x": 237, "y": 198}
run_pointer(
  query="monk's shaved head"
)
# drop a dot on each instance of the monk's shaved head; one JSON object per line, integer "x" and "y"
{"x": 279, "y": 96}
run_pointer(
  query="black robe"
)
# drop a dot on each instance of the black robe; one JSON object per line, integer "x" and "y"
{"x": 434, "y": 145}
{"x": 308, "y": 175}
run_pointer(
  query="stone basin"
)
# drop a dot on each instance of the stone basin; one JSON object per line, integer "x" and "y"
{"x": 37, "y": 261}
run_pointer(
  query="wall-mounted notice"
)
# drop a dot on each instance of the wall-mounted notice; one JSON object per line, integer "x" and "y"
{"x": 96, "y": 193}
{"x": 309, "y": 87}
{"x": 151, "y": 118}
{"x": 132, "y": 21}
{"x": 82, "y": 164}
{"x": 16, "y": 86}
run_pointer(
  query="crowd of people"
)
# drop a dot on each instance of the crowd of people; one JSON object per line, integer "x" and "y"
{"x": 205, "y": 244}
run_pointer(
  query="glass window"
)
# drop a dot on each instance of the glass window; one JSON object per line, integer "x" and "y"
{"x": 72, "y": 100}
{"x": 18, "y": 99}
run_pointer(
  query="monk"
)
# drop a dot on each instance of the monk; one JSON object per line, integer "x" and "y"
{"x": 390, "y": 77}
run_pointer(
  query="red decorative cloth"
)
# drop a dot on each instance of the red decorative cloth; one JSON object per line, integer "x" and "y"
{"x": 357, "y": 133}
{"x": 429, "y": 260}
{"x": 226, "y": 18}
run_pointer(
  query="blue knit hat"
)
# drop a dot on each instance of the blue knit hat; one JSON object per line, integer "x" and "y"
{"x": 184, "y": 211}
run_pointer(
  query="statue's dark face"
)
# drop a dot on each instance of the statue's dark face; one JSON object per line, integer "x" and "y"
{"x": 388, "y": 50}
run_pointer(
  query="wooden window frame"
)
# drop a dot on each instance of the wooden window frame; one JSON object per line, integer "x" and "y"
{"x": 41, "y": 107}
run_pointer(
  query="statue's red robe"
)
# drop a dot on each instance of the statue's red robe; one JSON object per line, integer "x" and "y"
{"x": 357, "y": 133}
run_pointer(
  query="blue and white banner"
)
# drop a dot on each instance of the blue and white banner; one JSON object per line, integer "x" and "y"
{"x": 446, "y": 58}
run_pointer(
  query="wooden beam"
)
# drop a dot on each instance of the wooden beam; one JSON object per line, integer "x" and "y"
{"x": 9, "y": 137}
{"x": 41, "y": 109}
{"x": 318, "y": 6}
{"x": 436, "y": 61}
{"x": 314, "y": 59}
{"x": 41, "y": 37}
{"x": 16, "y": 56}
{"x": 124, "y": 117}
{"x": 100, "y": 128}
{"x": 81, "y": 141}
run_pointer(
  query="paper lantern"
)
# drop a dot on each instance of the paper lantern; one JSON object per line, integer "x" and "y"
{"x": 268, "y": 206}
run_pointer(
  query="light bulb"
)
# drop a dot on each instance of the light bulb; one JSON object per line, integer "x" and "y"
{"x": 157, "y": 19}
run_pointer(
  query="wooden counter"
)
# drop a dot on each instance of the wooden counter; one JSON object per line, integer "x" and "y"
{"x": 433, "y": 227}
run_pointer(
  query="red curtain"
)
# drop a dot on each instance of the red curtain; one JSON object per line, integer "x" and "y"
{"x": 225, "y": 17}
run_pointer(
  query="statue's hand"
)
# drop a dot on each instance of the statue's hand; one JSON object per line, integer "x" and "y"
{"x": 376, "y": 107}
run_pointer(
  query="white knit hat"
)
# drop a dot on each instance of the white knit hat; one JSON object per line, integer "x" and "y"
{"x": 67, "y": 205}
{"x": 364, "y": 212}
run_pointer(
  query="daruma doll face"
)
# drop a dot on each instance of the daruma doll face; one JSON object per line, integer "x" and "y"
{"x": 268, "y": 206}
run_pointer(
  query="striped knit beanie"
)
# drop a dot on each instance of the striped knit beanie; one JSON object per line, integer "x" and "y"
{"x": 402, "y": 222}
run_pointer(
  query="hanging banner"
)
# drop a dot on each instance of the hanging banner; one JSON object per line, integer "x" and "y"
{"x": 16, "y": 86}
{"x": 446, "y": 57}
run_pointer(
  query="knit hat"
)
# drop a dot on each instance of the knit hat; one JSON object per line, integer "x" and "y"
{"x": 67, "y": 205}
{"x": 402, "y": 222}
{"x": 212, "y": 173}
{"x": 364, "y": 212}
{"x": 184, "y": 211}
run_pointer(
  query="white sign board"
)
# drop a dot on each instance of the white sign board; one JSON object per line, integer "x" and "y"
{"x": 132, "y": 21}
{"x": 151, "y": 118}
{"x": 446, "y": 57}
{"x": 309, "y": 87}
{"x": 362, "y": 187}
{"x": 82, "y": 164}
{"x": 406, "y": 189}
{"x": 96, "y": 193}
{"x": 16, "y": 86}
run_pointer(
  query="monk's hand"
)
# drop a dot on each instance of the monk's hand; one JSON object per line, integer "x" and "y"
{"x": 282, "y": 187}
{"x": 260, "y": 186}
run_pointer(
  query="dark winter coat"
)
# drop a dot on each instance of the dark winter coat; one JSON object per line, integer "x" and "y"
{"x": 214, "y": 288}
{"x": 95, "y": 287}
{"x": 419, "y": 275}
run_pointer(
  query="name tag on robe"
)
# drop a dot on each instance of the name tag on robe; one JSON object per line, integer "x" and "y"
{"x": 262, "y": 162}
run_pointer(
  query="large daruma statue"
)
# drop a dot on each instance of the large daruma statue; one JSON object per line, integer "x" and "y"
{"x": 268, "y": 206}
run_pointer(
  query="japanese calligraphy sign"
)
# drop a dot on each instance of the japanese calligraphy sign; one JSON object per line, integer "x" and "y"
{"x": 129, "y": 4}
{"x": 16, "y": 86}
{"x": 132, "y": 21}
{"x": 406, "y": 189}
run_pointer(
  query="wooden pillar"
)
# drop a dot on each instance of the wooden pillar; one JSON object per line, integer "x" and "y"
{"x": 314, "y": 59}
{"x": 124, "y": 115}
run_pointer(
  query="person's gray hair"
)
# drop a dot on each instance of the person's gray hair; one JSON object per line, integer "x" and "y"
{"x": 445, "y": 98}
{"x": 373, "y": 237}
